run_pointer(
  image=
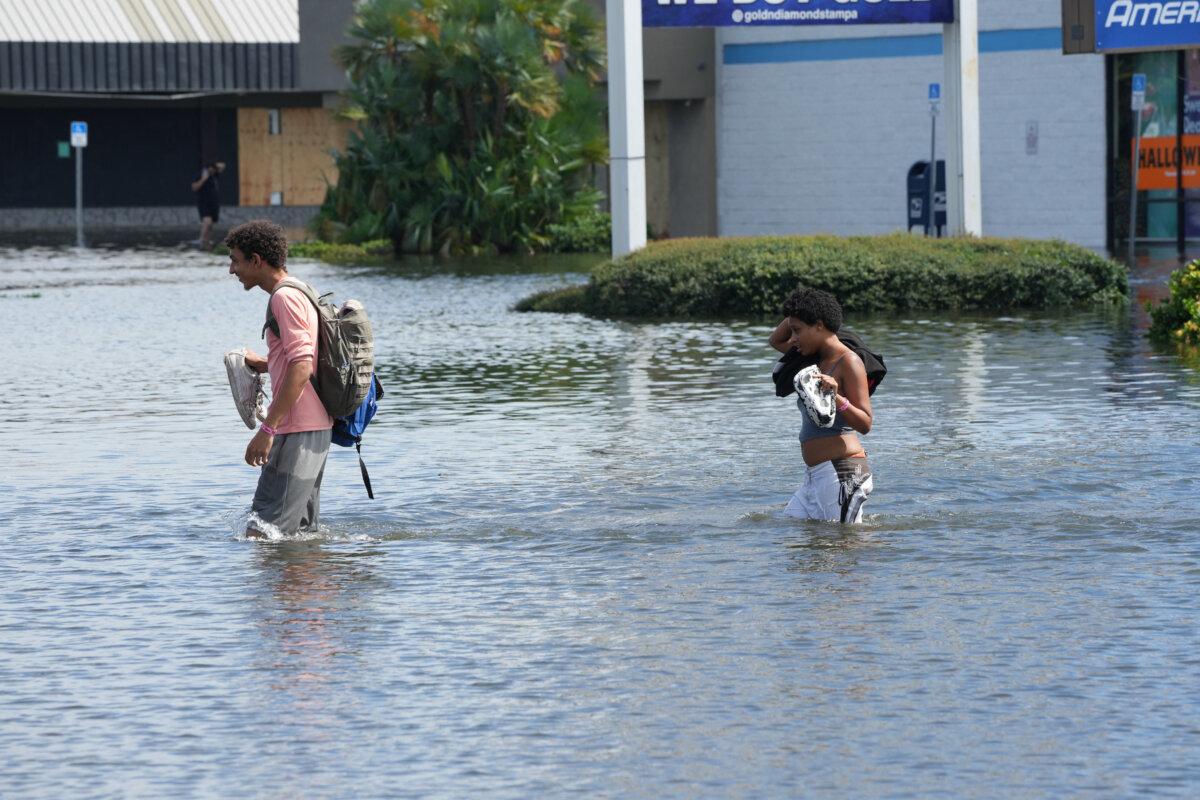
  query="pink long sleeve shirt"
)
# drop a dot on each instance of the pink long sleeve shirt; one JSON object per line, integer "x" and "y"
{"x": 297, "y": 341}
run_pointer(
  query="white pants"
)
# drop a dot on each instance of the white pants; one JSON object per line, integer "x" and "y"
{"x": 826, "y": 496}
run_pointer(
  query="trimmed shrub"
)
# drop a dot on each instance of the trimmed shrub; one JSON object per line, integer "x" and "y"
{"x": 1176, "y": 320}
{"x": 750, "y": 277}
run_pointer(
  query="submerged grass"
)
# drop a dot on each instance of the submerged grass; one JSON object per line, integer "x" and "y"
{"x": 378, "y": 251}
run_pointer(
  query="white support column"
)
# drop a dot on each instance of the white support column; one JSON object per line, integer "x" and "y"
{"x": 964, "y": 196}
{"x": 626, "y": 126}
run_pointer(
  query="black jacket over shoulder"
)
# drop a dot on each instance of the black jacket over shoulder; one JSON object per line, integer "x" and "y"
{"x": 793, "y": 361}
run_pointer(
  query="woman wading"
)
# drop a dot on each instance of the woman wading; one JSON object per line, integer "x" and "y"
{"x": 837, "y": 480}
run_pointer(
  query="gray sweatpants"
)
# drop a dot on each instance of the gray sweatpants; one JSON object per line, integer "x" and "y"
{"x": 289, "y": 489}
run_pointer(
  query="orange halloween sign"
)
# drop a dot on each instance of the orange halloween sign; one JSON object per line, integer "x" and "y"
{"x": 1161, "y": 158}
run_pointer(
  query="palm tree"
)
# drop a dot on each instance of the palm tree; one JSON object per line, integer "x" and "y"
{"x": 477, "y": 121}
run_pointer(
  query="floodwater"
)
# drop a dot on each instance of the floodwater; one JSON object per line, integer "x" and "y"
{"x": 576, "y": 579}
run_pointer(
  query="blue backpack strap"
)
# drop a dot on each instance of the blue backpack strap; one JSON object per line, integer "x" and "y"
{"x": 363, "y": 467}
{"x": 348, "y": 430}
{"x": 376, "y": 394}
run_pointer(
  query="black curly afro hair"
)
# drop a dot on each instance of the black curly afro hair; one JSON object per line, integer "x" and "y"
{"x": 811, "y": 306}
{"x": 262, "y": 237}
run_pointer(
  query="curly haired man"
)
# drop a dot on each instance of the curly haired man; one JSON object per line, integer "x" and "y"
{"x": 293, "y": 442}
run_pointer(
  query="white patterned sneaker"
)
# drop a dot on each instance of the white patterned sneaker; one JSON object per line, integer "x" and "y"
{"x": 820, "y": 404}
{"x": 247, "y": 388}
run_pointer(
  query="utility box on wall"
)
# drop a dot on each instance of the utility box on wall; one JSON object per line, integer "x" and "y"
{"x": 1079, "y": 26}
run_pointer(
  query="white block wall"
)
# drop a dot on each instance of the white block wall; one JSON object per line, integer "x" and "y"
{"x": 825, "y": 146}
{"x": 1060, "y": 192}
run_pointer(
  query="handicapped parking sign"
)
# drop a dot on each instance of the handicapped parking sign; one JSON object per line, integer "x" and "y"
{"x": 79, "y": 134}
{"x": 1138, "y": 96}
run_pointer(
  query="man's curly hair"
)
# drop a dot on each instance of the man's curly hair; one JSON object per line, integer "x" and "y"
{"x": 262, "y": 237}
{"x": 811, "y": 306}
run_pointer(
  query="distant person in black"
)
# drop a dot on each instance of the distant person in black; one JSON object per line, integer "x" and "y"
{"x": 208, "y": 200}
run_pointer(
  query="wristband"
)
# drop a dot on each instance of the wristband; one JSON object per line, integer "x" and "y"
{"x": 842, "y": 406}
{"x": 267, "y": 429}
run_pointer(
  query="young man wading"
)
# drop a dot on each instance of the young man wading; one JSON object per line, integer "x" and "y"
{"x": 293, "y": 441}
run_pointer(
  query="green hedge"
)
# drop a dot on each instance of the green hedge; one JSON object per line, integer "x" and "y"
{"x": 1177, "y": 319}
{"x": 750, "y": 277}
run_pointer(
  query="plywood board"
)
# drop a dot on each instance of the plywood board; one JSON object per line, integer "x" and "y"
{"x": 311, "y": 135}
{"x": 260, "y": 169}
{"x": 297, "y": 161}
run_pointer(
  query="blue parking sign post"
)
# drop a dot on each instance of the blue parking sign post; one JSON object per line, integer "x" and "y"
{"x": 935, "y": 101}
{"x": 1136, "y": 104}
{"x": 79, "y": 140}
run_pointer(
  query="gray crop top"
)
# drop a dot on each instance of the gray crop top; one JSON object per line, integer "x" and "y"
{"x": 810, "y": 430}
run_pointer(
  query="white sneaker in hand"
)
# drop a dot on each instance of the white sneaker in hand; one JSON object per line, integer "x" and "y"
{"x": 819, "y": 403}
{"x": 247, "y": 388}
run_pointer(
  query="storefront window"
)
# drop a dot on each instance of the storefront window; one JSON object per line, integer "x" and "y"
{"x": 1169, "y": 169}
{"x": 1158, "y": 176}
{"x": 1191, "y": 143}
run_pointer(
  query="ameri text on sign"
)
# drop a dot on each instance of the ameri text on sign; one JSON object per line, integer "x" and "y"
{"x": 1141, "y": 25}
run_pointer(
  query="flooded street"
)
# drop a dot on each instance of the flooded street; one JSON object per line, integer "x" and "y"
{"x": 576, "y": 579}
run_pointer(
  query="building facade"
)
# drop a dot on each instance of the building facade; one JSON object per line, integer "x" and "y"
{"x": 817, "y": 127}
{"x": 679, "y": 88}
{"x": 749, "y": 130}
{"x": 166, "y": 86}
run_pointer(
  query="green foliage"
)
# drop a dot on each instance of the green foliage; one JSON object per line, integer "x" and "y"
{"x": 750, "y": 277}
{"x": 478, "y": 124}
{"x": 373, "y": 252}
{"x": 588, "y": 233}
{"x": 1177, "y": 319}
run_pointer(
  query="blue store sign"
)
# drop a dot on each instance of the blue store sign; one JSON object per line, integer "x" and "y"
{"x": 1147, "y": 25}
{"x": 720, "y": 13}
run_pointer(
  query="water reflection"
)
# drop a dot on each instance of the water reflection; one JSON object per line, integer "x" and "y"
{"x": 310, "y": 606}
{"x": 825, "y": 547}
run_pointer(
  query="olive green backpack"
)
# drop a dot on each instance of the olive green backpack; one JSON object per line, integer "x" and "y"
{"x": 345, "y": 350}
